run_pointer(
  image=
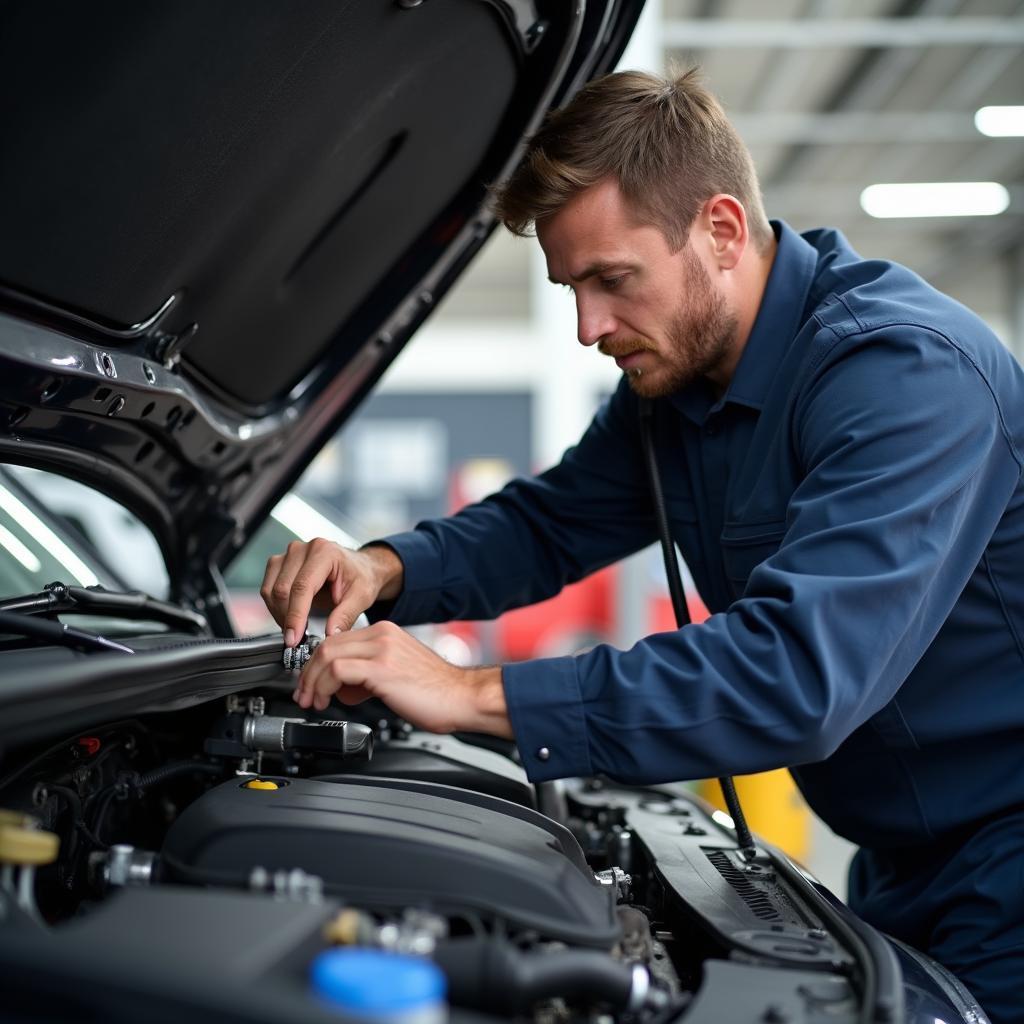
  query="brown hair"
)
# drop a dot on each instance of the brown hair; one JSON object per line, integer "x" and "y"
{"x": 666, "y": 141}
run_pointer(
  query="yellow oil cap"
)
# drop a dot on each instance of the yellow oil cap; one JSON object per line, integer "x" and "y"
{"x": 261, "y": 784}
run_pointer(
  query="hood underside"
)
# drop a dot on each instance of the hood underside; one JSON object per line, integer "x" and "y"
{"x": 223, "y": 220}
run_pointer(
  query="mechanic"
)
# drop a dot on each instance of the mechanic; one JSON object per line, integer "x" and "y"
{"x": 841, "y": 450}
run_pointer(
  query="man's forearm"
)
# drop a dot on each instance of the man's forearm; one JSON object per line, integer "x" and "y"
{"x": 485, "y": 709}
{"x": 389, "y": 567}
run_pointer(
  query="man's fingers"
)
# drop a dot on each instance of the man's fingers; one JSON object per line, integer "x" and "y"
{"x": 276, "y": 591}
{"x": 317, "y": 570}
{"x": 316, "y": 567}
{"x": 300, "y": 600}
{"x": 322, "y": 678}
{"x": 343, "y": 616}
{"x": 270, "y": 575}
{"x": 352, "y": 695}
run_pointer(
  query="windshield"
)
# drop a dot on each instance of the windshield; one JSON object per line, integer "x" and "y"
{"x": 111, "y": 543}
{"x": 35, "y": 551}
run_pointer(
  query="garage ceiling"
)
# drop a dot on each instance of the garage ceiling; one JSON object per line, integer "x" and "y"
{"x": 836, "y": 95}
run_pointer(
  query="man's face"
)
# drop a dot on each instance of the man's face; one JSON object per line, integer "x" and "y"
{"x": 656, "y": 312}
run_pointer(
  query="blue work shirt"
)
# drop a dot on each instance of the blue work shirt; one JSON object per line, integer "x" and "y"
{"x": 852, "y": 512}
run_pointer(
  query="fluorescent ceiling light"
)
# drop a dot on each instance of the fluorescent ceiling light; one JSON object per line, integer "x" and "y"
{"x": 20, "y": 552}
{"x": 935, "y": 199}
{"x": 304, "y": 521}
{"x": 1000, "y": 121}
{"x": 36, "y": 528}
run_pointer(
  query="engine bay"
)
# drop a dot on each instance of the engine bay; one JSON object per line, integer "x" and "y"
{"x": 209, "y": 855}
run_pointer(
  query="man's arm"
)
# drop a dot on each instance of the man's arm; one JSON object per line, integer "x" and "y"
{"x": 903, "y": 488}
{"x": 898, "y": 503}
{"x": 525, "y": 543}
{"x": 900, "y": 497}
{"x": 386, "y": 662}
{"x": 516, "y": 547}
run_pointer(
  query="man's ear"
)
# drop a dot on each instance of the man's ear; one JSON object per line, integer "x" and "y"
{"x": 725, "y": 221}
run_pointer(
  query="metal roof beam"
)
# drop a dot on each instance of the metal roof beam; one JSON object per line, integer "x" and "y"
{"x": 851, "y": 127}
{"x": 785, "y": 79}
{"x": 876, "y": 75}
{"x": 882, "y": 33}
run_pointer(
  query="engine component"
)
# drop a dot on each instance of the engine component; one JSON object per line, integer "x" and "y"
{"x": 741, "y": 900}
{"x": 240, "y": 735}
{"x": 23, "y": 842}
{"x": 123, "y": 865}
{"x": 271, "y": 733}
{"x": 295, "y": 657}
{"x": 383, "y": 843}
{"x": 24, "y": 846}
{"x": 494, "y": 976}
{"x": 416, "y": 931}
{"x": 371, "y": 984}
{"x": 617, "y": 880}
{"x": 451, "y": 762}
{"x": 290, "y": 885}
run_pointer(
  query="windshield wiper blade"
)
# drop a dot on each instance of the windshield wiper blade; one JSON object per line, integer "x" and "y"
{"x": 130, "y": 604}
{"x": 57, "y": 633}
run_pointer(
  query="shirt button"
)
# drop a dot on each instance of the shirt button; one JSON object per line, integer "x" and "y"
{"x": 543, "y": 754}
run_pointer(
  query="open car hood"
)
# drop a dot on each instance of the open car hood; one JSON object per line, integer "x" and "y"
{"x": 222, "y": 221}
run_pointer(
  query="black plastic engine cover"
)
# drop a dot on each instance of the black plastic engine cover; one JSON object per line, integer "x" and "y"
{"x": 450, "y": 762}
{"x": 380, "y": 843}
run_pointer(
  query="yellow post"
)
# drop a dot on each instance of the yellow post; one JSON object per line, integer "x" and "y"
{"x": 774, "y": 808}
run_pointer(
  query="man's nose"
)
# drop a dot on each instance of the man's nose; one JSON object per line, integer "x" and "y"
{"x": 593, "y": 320}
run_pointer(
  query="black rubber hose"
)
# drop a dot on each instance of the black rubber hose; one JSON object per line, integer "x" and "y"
{"x": 494, "y": 976}
{"x": 58, "y": 633}
{"x": 132, "y": 784}
{"x": 172, "y": 770}
{"x": 74, "y": 803}
{"x": 744, "y": 839}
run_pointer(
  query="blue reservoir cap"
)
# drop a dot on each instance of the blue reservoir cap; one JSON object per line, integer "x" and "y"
{"x": 373, "y": 982}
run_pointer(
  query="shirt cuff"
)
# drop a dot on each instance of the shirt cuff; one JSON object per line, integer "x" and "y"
{"x": 421, "y": 581}
{"x": 546, "y": 713}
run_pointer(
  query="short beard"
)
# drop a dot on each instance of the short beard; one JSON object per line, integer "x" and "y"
{"x": 700, "y": 337}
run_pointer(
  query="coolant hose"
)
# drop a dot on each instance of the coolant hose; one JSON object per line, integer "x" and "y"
{"x": 494, "y": 976}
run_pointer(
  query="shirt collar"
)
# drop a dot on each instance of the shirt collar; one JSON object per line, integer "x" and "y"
{"x": 779, "y": 317}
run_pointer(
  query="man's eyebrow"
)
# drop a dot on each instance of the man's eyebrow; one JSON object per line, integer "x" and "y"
{"x": 600, "y": 267}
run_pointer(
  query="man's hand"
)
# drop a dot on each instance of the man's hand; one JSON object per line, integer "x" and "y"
{"x": 321, "y": 572}
{"x": 386, "y": 662}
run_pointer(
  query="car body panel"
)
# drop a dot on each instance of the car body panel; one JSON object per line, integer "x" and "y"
{"x": 193, "y": 301}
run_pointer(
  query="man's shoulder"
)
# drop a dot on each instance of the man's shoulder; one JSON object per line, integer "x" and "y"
{"x": 874, "y": 322}
{"x": 857, "y": 297}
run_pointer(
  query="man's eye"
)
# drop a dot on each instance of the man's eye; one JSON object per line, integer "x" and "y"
{"x": 611, "y": 283}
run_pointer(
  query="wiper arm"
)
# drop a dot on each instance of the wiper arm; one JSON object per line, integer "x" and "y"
{"x": 57, "y": 633}
{"x": 131, "y": 604}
